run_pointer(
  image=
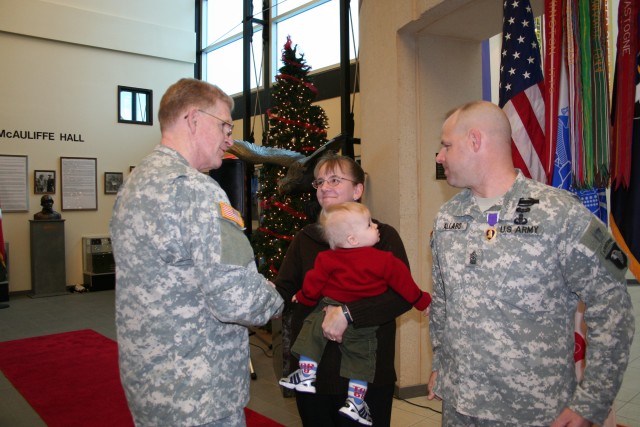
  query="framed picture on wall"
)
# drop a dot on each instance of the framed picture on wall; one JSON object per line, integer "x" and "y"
{"x": 112, "y": 182}
{"x": 14, "y": 183}
{"x": 44, "y": 182}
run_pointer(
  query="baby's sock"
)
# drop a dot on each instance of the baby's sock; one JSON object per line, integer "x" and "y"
{"x": 357, "y": 390}
{"x": 308, "y": 367}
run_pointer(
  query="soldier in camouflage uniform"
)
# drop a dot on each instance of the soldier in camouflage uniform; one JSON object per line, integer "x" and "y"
{"x": 511, "y": 259}
{"x": 187, "y": 284}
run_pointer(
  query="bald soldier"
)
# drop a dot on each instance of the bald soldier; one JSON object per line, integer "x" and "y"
{"x": 511, "y": 259}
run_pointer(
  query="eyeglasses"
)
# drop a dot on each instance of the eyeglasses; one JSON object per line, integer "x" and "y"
{"x": 333, "y": 181}
{"x": 229, "y": 126}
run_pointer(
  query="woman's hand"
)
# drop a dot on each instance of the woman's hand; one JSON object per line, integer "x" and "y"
{"x": 334, "y": 323}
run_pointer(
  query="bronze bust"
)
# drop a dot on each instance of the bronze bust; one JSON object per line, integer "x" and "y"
{"x": 47, "y": 212}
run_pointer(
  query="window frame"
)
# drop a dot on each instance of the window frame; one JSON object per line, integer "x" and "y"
{"x": 134, "y": 93}
{"x": 274, "y": 50}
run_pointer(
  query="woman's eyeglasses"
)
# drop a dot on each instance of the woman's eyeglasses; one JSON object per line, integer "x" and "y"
{"x": 333, "y": 181}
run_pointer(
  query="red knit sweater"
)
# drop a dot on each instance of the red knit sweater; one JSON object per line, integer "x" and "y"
{"x": 347, "y": 275}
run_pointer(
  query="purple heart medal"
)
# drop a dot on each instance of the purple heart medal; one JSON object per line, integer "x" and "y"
{"x": 491, "y": 232}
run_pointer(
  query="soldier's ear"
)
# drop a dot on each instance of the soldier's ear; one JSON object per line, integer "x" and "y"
{"x": 475, "y": 136}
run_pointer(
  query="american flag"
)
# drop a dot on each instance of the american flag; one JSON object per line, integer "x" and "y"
{"x": 521, "y": 88}
{"x": 231, "y": 214}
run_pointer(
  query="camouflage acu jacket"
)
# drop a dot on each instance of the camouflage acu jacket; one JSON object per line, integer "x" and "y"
{"x": 186, "y": 284}
{"x": 505, "y": 288}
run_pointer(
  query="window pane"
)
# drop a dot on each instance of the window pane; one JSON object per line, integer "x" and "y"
{"x": 315, "y": 31}
{"x": 287, "y": 5}
{"x": 224, "y": 18}
{"x": 125, "y": 105}
{"x": 141, "y": 107}
{"x": 224, "y": 65}
{"x": 317, "y": 34}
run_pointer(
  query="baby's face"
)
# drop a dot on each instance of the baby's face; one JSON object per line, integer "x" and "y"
{"x": 365, "y": 230}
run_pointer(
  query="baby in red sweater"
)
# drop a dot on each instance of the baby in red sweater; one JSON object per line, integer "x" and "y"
{"x": 352, "y": 270}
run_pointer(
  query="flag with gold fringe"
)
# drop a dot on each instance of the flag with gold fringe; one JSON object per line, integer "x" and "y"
{"x": 578, "y": 97}
{"x": 625, "y": 147}
{"x": 576, "y": 75}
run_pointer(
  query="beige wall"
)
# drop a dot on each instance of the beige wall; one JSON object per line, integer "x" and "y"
{"x": 61, "y": 65}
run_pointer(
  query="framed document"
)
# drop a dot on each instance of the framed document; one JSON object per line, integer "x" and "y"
{"x": 79, "y": 183}
{"x": 14, "y": 184}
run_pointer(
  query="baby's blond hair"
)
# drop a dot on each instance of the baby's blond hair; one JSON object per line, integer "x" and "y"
{"x": 337, "y": 222}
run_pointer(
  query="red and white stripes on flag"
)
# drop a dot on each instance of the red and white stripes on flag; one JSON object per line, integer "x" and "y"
{"x": 522, "y": 88}
{"x": 554, "y": 72}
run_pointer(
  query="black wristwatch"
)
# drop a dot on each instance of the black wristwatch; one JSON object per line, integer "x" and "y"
{"x": 347, "y": 314}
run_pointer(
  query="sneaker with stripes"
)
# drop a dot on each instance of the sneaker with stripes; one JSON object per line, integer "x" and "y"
{"x": 299, "y": 382}
{"x": 359, "y": 413}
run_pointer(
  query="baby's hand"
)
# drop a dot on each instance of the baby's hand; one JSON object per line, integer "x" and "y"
{"x": 294, "y": 299}
{"x": 425, "y": 312}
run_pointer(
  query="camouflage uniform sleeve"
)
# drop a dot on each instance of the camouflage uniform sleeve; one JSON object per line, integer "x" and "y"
{"x": 225, "y": 269}
{"x": 595, "y": 271}
{"x": 437, "y": 310}
{"x": 239, "y": 295}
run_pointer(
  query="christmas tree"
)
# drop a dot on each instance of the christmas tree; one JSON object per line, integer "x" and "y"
{"x": 297, "y": 125}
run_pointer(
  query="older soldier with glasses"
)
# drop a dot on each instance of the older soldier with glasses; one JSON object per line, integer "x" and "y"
{"x": 187, "y": 284}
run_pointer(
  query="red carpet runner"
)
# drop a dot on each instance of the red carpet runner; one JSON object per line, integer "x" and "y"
{"x": 71, "y": 379}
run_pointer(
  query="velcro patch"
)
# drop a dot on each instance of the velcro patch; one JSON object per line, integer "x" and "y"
{"x": 452, "y": 226}
{"x": 227, "y": 211}
{"x": 598, "y": 239}
{"x": 613, "y": 253}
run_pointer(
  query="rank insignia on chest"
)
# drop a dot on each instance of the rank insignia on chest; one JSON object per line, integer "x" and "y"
{"x": 473, "y": 258}
{"x": 228, "y": 212}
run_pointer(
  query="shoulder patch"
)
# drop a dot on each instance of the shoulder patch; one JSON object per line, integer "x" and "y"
{"x": 598, "y": 239}
{"x": 227, "y": 211}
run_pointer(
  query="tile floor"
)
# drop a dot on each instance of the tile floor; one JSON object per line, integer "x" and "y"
{"x": 29, "y": 317}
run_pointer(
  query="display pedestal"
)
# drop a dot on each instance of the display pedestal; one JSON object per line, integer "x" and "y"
{"x": 48, "y": 270}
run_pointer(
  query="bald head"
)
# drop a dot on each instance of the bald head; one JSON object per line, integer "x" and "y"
{"x": 486, "y": 117}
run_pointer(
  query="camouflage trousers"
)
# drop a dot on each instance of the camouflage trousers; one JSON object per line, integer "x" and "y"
{"x": 236, "y": 419}
{"x": 453, "y": 418}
